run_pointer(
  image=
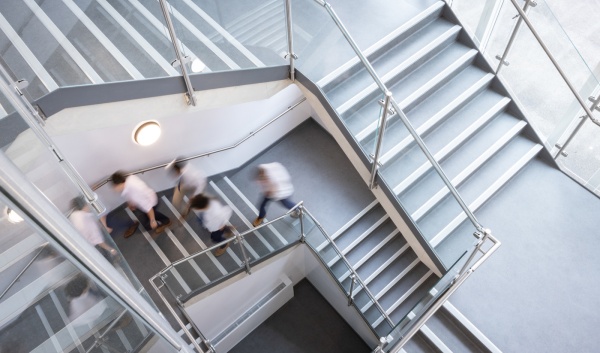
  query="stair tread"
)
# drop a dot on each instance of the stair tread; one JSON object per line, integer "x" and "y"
{"x": 445, "y": 211}
{"x": 437, "y": 138}
{"x": 383, "y": 255}
{"x": 390, "y": 60}
{"x": 451, "y": 334}
{"x": 456, "y": 163}
{"x": 364, "y": 223}
{"x": 370, "y": 242}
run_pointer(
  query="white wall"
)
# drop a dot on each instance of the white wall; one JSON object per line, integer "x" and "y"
{"x": 214, "y": 310}
{"x": 97, "y": 140}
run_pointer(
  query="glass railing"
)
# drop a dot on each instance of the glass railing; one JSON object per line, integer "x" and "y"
{"x": 197, "y": 272}
{"x": 71, "y": 43}
{"x": 47, "y": 294}
{"x": 540, "y": 85}
{"x": 345, "y": 276}
{"x": 355, "y": 86}
{"x": 466, "y": 264}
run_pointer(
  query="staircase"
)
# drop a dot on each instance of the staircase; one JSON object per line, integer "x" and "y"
{"x": 446, "y": 90}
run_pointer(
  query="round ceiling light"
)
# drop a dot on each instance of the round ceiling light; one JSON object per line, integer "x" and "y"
{"x": 13, "y": 217}
{"x": 198, "y": 65}
{"x": 146, "y": 133}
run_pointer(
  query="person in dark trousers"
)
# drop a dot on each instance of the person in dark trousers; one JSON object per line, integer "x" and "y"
{"x": 142, "y": 200}
{"x": 276, "y": 185}
{"x": 214, "y": 217}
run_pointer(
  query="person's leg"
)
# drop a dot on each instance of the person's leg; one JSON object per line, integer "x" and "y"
{"x": 120, "y": 220}
{"x": 262, "y": 212}
{"x": 143, "y": 218}
{"x": 162, "y": 220}
{"x": 177, "y": 197}
{"x": 287, "y": 203}
{"x": 217, "y": 237}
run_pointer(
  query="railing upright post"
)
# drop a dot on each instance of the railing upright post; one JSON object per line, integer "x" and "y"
{"x": 350, "y": 292}
{"x": 290, "y": 39}
{"x": 380, "y": 132}
{"x": 528, "y": 4}
{"x": 191, "y": 98}
{"x": 240, "y": 241}
{"x": 561, "y": 151}
{"x": 302, "y": 235}
{"x": 12, "y": 92}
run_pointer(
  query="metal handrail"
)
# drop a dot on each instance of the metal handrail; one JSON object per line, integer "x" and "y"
{"x": 347, "y": 263}
{"x": 580, "y": 99}
{"x": 460, "y": 278}
{"x": 218, "y": 245}
{"x": 402, "y": 116}
{"x": 290, "y": 108}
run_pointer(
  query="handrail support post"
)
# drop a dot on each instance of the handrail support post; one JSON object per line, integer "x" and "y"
{"x": 528, "y": 4}
{"x": 190, "y": 96}
{"x": 380, "y": 133}
{"x": 593, "y": 107}
{"x": 240, "y": 241}
{"x": 290, "y": 38}
{"x": 351, "y": 291}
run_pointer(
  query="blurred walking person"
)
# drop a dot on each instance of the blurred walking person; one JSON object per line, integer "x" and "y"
{"x": 142, "y": 200}
{"x": 190, "y": 181}
{"x": 214, "y": 217}
{"x": 276, "y": 185}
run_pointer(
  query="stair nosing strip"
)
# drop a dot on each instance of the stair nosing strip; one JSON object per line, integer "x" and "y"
{"x": 251, "y": 16}
{"x": 396, "y": 279}
{"x": 409, "y": 292}
{"x": 241, "y": 216}
{"x": 253, "y": 208}
{"x": 434, "y": 339}
{"x": 470, "y": 169}
{"x": 448, "y": 109}
{"x": 381, "y": 43}
{"x": 440, "y": 155}
{"x": 239, "y": 46}
{"x": 349, "y": 224}
{"x": 471, "y": 328}
{"x": 489, "y": 192}
{"x": 370, "y": 254}
{"x": 399, "y": 69}
{"x": 388, "y": 262}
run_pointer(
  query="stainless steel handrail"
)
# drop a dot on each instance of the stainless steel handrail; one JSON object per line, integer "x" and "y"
{"x": 581, "y": 101}
{"x": 290, "y": 108}
{"x": 460, "y": 278}
{"x": 403, "y": 117}
{"x": 347, "y": 263}
{"x": 241, "y": 235}
{"x": 173, "y": 313}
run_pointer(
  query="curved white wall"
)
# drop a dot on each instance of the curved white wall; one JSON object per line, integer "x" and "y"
{"x": 97, "y": 139}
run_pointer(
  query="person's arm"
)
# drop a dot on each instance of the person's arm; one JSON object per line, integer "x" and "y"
{"x": 150, "y": 214}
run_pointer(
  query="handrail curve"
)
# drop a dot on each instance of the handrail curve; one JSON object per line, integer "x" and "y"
{"x": 139, "y": 171}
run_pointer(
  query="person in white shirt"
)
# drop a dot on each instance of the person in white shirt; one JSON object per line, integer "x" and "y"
{"x": 87, "y": 224}
{"x": 276, "y": 185}
{"x": 214, "y": 217}
{"x": 191, "y": 181}
{"x": 142, "y": 200}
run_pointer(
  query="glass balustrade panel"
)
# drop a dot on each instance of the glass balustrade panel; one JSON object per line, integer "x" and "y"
{"x": 43, "y": 292}
{"x": 476, "y": 16}
{"x": 408, "y": 322}
{"x": 424, "y": 197}
{"x": 227, "y": 35}
{"x": 208, "y": 267}
{"x": 41, "y": 167}
{"x": 341, "y": 271}
{"x": 582, "y": 161}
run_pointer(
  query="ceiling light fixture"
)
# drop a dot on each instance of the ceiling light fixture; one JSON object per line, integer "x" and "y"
{"x": 13, "y": 217}
{"x": 146, "y": 133}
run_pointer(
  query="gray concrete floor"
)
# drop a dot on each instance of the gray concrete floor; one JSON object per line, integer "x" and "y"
{"x": 539, "y": 292}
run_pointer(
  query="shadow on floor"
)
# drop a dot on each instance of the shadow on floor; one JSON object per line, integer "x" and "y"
{"x": 307, "y": 323}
